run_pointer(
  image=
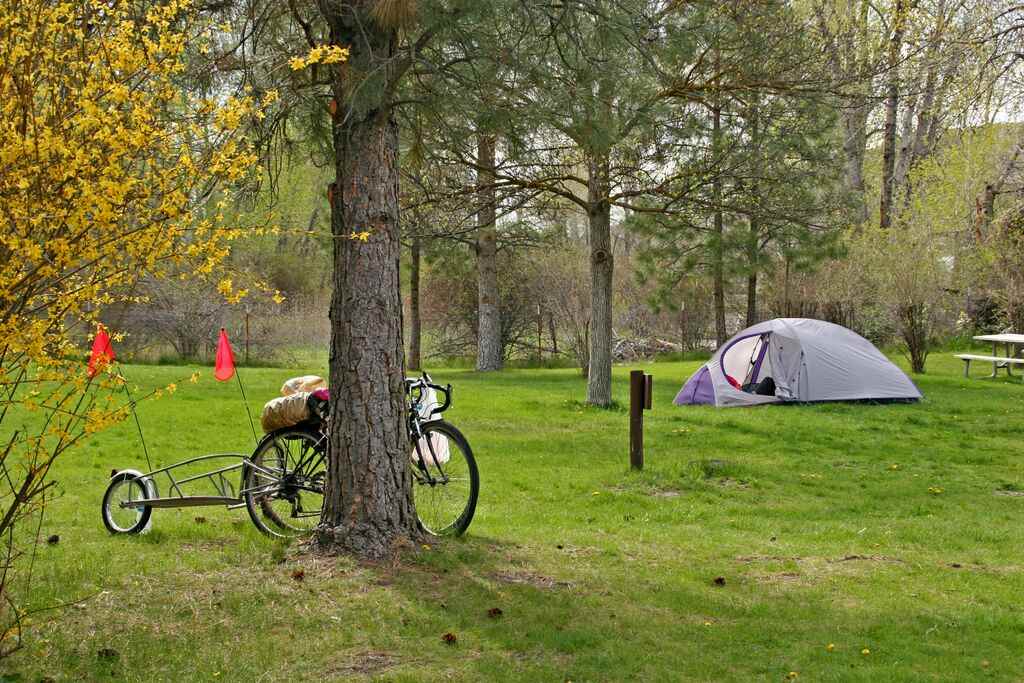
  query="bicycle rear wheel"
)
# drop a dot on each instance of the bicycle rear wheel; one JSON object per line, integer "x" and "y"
{"x": 446, "y": 483}
{"x": 284, "y": 482}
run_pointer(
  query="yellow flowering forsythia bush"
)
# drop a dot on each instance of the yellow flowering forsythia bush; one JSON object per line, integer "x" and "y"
{"x": 105, "y": 160}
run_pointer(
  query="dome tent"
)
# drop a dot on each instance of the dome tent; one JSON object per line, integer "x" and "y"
{"x": 807, "y": 360}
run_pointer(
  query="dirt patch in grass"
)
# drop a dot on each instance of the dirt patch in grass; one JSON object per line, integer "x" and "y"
{"x": 784, "y": 578}
{"x": 577, "y": 551}
{"x": 1009, "y": 493}
{"x": 652, "y": 490}
{"x": 808, "y": 559}
{"x": 364, "y": 663}
{"x": 526, "y": 578}
{"x": 997, "y": 570}
{"x": 866, "y": 558}
{"x": 216, "y": 544}
{"x": 729, "y": 482}
{"x": 810, "y": 570}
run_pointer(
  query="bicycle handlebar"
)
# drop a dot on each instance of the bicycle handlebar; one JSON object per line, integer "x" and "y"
{"x": 447, "y": 391}
{"x": 425, "y": 382}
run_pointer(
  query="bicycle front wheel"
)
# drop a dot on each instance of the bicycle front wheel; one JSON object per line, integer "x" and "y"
{"x": 446, "y": 483}
{"x": 284, "y": 482}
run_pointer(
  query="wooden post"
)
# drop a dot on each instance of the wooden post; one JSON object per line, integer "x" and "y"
{"x": 641, "y": 388}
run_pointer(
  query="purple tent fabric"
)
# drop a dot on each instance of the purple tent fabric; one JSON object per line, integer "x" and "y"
{"x": 698, "y": 390}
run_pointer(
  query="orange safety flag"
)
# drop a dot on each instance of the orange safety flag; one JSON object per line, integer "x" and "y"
{"x": 102, "y": 352}
{"x": 225, "y": 365}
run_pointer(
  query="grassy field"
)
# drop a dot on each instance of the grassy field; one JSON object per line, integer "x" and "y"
{"x": 829, "y": 542}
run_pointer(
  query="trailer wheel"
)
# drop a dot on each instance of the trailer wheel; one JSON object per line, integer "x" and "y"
{"x": 126, "y": 487}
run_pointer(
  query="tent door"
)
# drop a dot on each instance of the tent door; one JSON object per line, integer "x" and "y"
{"x": 786, "y": 358}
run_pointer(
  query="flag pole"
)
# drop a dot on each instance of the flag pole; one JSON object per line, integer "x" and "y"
{"x": 138, "y": 425}
{"x": 103, "y": 354}
{"x": 245, "y": 402}
{"x": 224, "y": 367}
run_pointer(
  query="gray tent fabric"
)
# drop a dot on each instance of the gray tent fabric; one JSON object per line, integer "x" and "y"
{"x": 808, "y": 360}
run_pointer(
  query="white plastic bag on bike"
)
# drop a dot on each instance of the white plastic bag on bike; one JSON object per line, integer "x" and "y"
{"x": 435, "y": 453}
{"x": 428, "y": 401}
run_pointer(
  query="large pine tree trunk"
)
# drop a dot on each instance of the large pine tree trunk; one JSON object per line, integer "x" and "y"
{"x": 599, "y": 374}
{"x": 415, "y": 323}
{"x": 368, "y": 506}
{"x": 489, "y": 348}
{"x": 892, "y": 96}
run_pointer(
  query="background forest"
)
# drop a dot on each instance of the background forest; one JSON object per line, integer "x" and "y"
{"x": 684, "y": 168}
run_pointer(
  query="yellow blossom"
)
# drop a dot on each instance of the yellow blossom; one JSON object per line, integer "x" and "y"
{"x": 321, "y": 54}
{"x": 98, "y": 188}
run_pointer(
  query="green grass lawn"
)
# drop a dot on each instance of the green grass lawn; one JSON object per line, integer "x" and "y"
{"x": 839, "y": 542}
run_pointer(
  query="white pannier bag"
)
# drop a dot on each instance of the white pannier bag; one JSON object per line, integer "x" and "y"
{"x": 439, "y": 442}
{"x": 428, "y": 401}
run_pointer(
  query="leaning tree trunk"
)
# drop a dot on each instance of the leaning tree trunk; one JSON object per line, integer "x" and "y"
{"x": 368, "y": 505}
{"x": 599, "y": 375}
{"x": 415, "y": 323}
{"x": 489, "y": 348}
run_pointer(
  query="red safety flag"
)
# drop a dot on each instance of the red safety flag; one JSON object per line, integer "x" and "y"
{"x": 225, "y": 365}
{"x": 102, "y": 352}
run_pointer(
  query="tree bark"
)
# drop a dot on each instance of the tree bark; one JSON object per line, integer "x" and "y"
{"x": 415, "y": 323}
{"x": 924, "y": 136}
{"x": 599, "y": 374}
{"x": 905, "y": 150}
{"x": 489, "y": 347}
{"x": 848, "y": 54}
{"x": 985, "y": 202}
{"x": 718, "y": 238}
{"x": 892, "y": 96}
{"x": 754, "y": 234}
{"x": 368, "y": 504}
{"x": 553, "y": 331}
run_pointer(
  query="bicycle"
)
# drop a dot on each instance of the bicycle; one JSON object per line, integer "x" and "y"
{"x": 282, "y": 482}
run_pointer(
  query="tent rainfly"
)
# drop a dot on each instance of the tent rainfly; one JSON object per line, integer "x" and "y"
{"x": 796, "y": 360}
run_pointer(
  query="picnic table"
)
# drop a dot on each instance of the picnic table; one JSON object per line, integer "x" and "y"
{"x": 1010, "y": 343}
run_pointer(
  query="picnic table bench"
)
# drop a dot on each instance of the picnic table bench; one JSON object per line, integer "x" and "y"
{"x": 1010, "y": 341}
